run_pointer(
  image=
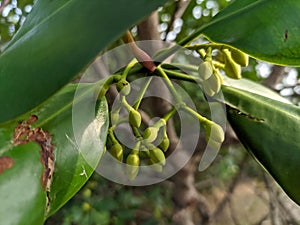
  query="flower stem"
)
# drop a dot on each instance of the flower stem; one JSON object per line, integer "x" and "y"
{"x": 169, "y": 84}
{"x": 203, "y": 120}
{"x": 181, "y": 76}
{"x": 142, "y": 93}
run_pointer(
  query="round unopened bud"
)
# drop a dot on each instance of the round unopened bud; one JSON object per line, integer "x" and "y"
{"x": 157, "y": 156}
{"x": 87, "y": 193}
{"x": 150, "y": 134}
{"x": 86, "y": 207}
{"x": 239, "y": 57}
{"x": 212, "y": 85}
{"x": 123, "y": 87}
{"x": 215, "y": 132}
{"x": 232, "y": 69}
{"x": 135, "y": 118}
{"x": 117, "y": 151}
{"x": 132, "y": 167}
{"x": 205, "y": 70}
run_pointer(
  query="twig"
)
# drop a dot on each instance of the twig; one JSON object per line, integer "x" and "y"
{"x": 180, "y": 7}
{"x": 275, "y": 77}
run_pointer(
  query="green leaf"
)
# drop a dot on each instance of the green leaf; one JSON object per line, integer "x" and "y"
{"x": 79, "y": 139}
{"x": 23, "y": 200}
{"x": 78, "y": 126}
{"x": 267, "y": 30}
{"x": 270, "y": 130}
{"x": 58, "y": 39}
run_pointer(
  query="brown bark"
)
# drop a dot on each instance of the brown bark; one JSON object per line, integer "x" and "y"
{"x": 275, "y": 77}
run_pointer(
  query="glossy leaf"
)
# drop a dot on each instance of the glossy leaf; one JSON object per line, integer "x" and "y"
{"x": 21, "y": 191}
{"x": 267, "y": 30}
{"x": 75, "y": 159}
{"x": 78, "y": 146}
{"x": 270, "y": 130}
{"x": 59, "y": 39}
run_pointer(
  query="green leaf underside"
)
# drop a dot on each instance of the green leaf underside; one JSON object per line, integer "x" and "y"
{"x": 23, "y": 200}
{"x": 59, "y": 39}
{"x": 72, "y": 169}
{"x": 266, "y": 30}
{"x": 270, "y": 130}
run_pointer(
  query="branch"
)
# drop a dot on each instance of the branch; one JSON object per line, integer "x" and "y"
{"x": 180, "y": 7}
{"x": 275, "y": 77}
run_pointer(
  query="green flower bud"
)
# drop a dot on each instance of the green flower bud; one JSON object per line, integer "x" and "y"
{"x": 117, "y": 151}
{"x": 157, "y": 156}
{"x": 232, "y": 69}
{"x": 87, "y": 193}
{"x": 212, "y": 85}
{"x": 205, "y": 70}
{"x": 86, "y": 207}
{"x": 239, "y": 57}
{"x": 164, "y": 145}
{"x": 215, "y": 132}
{"x": 135, "y": 118}
{"x": 150, "y": 134}
{"x": 123, "y": 87}
{"x": 132, "y": 167}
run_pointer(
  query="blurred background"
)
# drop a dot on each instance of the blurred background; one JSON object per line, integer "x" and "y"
{"x": 235, "y": 189}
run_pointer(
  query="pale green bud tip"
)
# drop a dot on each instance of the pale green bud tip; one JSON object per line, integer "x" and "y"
{"x": 133, "y": 160}
{"x": 132, "y": 168}
{"x": 150, "y": 134}
{"x": 135, "y": 118}
{"x": 215, "y": 132}
{"x": 205, "y": 70}
{"x": 157, "y": 156}
{"x": 212, "y": 85}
